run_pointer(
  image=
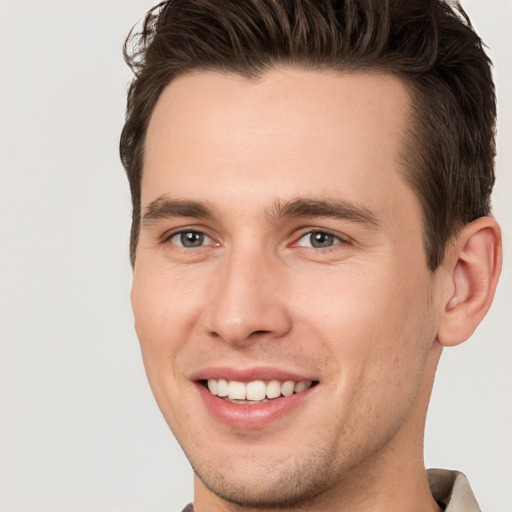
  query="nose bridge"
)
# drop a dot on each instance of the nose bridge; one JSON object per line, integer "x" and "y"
{"x": 246, "y": 302}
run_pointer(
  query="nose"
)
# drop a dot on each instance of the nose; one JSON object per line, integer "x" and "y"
{"x": 247, "y": 302}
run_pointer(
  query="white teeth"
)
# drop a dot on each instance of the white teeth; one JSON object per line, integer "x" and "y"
{"x": 236, "y": 390}
{"x": 212, "y": 386}
{"x": 256, "y": 390}
{"x": 287, "y": 388}
{"x": 222, "y": 387}
{"x": 273, "y": 389}
{"x": 302, "y": 386}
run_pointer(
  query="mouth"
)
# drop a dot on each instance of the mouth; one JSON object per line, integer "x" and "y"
{"x": 255, "y": 398}
{"x": 255, "y": 392}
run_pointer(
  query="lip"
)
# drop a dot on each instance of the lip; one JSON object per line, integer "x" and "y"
{"x": 249, "y": 374}
{"x": 256, "y": 416}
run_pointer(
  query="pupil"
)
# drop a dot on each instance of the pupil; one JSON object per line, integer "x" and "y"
{"x": 321, "y": 239}
{"x": 192, "y": 239}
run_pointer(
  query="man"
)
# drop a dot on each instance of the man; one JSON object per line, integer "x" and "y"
{"x": 311, "y": 226}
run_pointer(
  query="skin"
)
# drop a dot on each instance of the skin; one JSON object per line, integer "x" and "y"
{"x": 361, "y": 316}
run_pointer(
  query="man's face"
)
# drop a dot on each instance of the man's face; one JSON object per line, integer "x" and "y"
{"x": 280, "y": 242}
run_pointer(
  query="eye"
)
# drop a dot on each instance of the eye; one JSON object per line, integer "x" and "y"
{"x": 190, "y": 239}
{"x": 318, "y": 240}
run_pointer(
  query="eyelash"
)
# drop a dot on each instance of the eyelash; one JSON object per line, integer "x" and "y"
{"x": 183, "y": 232}
{"x": 337, "y": 239}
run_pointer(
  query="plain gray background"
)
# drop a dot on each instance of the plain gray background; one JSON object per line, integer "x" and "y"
{"x": 79, "y": 429}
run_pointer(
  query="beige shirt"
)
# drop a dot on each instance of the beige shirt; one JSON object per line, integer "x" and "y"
{"x": 450, "y": 489}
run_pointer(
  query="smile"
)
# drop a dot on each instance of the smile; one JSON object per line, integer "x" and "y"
{"x": 254, "y": 398}
{"x": 256, "y": 391}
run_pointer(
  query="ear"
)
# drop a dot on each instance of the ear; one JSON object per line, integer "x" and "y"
{"x": 472, "y": 267}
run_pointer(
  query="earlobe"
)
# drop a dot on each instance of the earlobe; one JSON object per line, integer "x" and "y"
{"x": 473, "y": 266}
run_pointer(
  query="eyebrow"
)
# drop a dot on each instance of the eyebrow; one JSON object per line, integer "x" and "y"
{"x": 337, "y": 209}
{"x": 164, "y": 207}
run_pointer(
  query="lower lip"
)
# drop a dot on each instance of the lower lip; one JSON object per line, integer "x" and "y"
{"x": 250, "y": 417}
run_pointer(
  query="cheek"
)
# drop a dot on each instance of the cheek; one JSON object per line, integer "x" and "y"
{"x": 372, "y": 321}
{"x": 163, "y": 313}
{"x": 385, "y": 330}
{"x": 164, "y": 309}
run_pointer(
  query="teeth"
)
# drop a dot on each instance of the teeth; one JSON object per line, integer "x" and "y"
{"x": 287, "y": 388}
{"x": 273, "y": 389}
{"x": 222, "y": 387}
{"x": 302, "y": 386}
{"x": 213, "y": 386}
{"x": 256, "y": 390}
{"x": 236, "y": 390}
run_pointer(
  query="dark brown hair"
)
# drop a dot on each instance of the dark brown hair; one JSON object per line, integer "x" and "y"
{"x": 449, "y": 149}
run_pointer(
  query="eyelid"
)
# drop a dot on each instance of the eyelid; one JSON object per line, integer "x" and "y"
{"x": 206, "y": 240}
{"x": 168, "y": 235}
{"x": 342, "y": 239}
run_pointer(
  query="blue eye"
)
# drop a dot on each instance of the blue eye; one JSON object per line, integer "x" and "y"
{"x": 318, "y": 240}
{"x": 190, "y": 239}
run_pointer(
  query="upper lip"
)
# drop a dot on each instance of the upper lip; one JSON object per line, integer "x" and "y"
{"x": 250, "y": 374}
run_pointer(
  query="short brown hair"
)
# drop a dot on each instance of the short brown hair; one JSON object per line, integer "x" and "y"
{"x": 430, "y": 44}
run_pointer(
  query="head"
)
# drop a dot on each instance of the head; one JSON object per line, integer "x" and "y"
{"x": 310, "y": 182}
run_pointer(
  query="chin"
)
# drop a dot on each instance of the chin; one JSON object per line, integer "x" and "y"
{"x": 269, "y": 484}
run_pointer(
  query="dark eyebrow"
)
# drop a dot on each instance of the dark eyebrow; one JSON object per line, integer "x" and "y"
{"x": 338, "y": 209}
{"x": 163, "y": 207}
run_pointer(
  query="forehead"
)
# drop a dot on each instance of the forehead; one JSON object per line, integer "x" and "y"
{"x": 289, "y": 133}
